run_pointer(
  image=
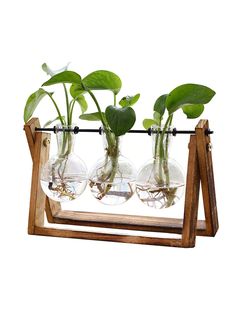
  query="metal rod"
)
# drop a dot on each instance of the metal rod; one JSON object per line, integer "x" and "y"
{"x": 76, "y": 130}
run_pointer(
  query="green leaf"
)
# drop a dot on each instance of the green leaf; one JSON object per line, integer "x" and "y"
{"x": 147, "y": 123}
{"x": 82, "y": 102}
{"x": 191, "y": 94}
{"x": 160, "y": 104}
{"x": 120, "y": 120}
{"x": 76, "y": 90}
{"x": 51, "y": 72}
{"x": 51, "y": 121}
{"x": 102, "y": 80}
{"x": 193, "y": 112}
{"x": 64, "y": 77}
{"x": 33, "y": 102}
{"x": 157, "y": 117}
{"x": 129, "y": 100}
{"x": 94, "y": 116}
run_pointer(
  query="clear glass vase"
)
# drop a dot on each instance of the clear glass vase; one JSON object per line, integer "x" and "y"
{"x": 64, "y": 176}
{"x": 160, "y": 181}
{"x": 112, "y": 179}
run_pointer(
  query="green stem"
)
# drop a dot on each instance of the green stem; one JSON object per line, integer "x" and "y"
{"x": 112, "y": 142}
{"x": 161, "y": 148}
{"x": 110, "y": 138}
{"x": 114, "y": 99}
{"x": 57, "y": 109}
{"x": 167, "y": 138}
{"x": 114, "y": 161}
{"x": 72, "y": 104}
{"x": 161, "y": 153}
{"x": 157, "y": 172}
{"x": 165, "y": 151}
{"x": 98, "y": 107}
{"x": 157, "y": 140}
{"x": 67, "y": 105}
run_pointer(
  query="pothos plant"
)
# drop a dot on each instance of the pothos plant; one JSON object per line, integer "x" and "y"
{"x": 190, "y": 99}
{"x": 116, "y": 120}
{"x": 65, "y": 119}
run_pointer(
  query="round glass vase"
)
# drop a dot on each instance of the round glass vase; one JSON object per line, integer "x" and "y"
{"x": 64, "y": 176}
{"x": 112, "y": 179}
{"x": 160, "y": 181}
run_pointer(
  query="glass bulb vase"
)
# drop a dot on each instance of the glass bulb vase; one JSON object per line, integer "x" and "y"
{"x": 64, "y": 176}
{"x": 112, "y": 179}
{"x": 160, "y": 181}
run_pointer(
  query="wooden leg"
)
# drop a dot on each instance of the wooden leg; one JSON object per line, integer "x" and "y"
{"x": 51, "y": 207}
{"x": 37, "y": 196}
{"x": 207, "y": 177}
{"x": 191, "y": 196}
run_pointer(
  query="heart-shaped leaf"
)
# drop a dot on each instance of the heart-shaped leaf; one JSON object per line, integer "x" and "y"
{"x": 103, "y": 80}
{"x": 191, "y": 94}
{"x": 157, "y": 117}
{"x": 76, "y": 90}
{"x": 120, "y": 120}
{"x": 147, "y": 123}
{"x": 160, "y": 105}
{"x": 129, "y": 100}
{"x": 193, "y": 112}
{"x": 94, "y": 116}
{"x": 32, "y": 103}
{"x": 64, "y": 77}
{"x": 82, "y": 102}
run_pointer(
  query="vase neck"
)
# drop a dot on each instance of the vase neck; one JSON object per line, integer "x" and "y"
{"x": 161, "y": 141}
{"x": 112, "y": 144}
{"x": 65, "y": 140}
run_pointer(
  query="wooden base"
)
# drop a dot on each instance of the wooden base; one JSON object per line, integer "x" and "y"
{"x": 127, "y": 222}
{"x": 200, "y": 169}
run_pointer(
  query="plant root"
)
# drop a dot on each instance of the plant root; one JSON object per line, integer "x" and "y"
{"x": 165, "y": 196}
{"x": 63, "y": 190}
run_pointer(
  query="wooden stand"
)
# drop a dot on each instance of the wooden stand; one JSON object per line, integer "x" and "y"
{"x": 200, "y": 169}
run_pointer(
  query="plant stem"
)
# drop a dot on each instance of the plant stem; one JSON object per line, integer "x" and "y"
{"x": 61, "y": 163}
{"x": 114, "y": 160}
{"x": 161, "y": 154}
{"x": 167, "y": 139}
{"x": 157, "y": 140}
{"x": 161, "y": 151}
{"x": 57, "y": 109}
{"x": 98, "y": 107}
{"x": 72, "y": 104}
{"x": 164, "y": 160}
{"x": 67, "y": 105}
{"x": 112, "y": 142}
{"x": 109, "y": 136}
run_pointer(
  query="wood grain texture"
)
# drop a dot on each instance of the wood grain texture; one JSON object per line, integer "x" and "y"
{"x": 51, "y": 207}
{"x": 29, "y": 128}
{"x": 37, "y": 196}
{"x": 207, "y": 178}
{"x": 191, "y": 196}
{"x": 107, "y": 237}
{"x": 127, "y": 222}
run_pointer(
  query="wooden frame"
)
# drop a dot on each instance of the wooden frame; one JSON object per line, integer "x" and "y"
{"x": 200, "y": 169}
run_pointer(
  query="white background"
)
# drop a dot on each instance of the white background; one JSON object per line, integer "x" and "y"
{"x": 153, "y": 46}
